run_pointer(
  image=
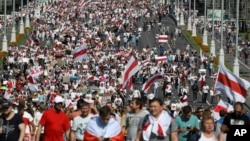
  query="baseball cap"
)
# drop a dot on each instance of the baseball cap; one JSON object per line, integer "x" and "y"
{"x": 6, "y": 104}
{"x": 58, "y": 99}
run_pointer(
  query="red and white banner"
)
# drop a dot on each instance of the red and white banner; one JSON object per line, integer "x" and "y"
{"x": 233, "y": 86}
{"x": 130, "y": 84}
{"x": 145, "y": 62}
{"x": 36, "y": 71}
{"x": 222, "y": 105}
{"x": 184, "y": 100}
{"x": 163, "y": 38}
{"x": 151, "y": 80}
{"x": 160, "y": 59}
{"x": 131, "y": 68}
{"x": 83, "y": 3}
{"x": 80, "y": 53}
{"x": 93, "y": 131}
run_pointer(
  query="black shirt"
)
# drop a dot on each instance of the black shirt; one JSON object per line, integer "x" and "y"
{"x": 232, "y": 120}
{"x": 10, "y": 128}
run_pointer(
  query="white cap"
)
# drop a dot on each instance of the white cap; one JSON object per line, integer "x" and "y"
{"x": 58, "y": 99}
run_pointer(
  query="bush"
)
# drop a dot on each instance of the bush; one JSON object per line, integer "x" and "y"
{"x": 216, "y": 60}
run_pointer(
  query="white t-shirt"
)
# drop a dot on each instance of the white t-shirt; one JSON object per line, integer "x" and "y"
{"x": 79, "y": 125}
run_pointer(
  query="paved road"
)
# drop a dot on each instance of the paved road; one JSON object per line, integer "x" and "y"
{"x": 148, "y": 38}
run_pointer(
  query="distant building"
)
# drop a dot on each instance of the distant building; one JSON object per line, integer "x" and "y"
{"x": 230, "y": 11}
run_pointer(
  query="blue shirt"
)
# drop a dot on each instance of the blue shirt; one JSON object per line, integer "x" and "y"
{"x": 193, "y": 121}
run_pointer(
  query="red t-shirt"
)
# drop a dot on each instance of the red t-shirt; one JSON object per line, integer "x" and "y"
{"x": 55, "y": 125}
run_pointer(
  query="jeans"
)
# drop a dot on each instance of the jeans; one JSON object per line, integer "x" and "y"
{"x": 204, "y": 97}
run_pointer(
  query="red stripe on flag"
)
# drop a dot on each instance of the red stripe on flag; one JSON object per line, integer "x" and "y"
{"x": 81, "y": 52}
{"x": 234, "y": 86}
{"x": 218, "y": 108}
{"x": 132, "y": 66}
{"x": 163, "y": 38}
{"x": 151, "y": 81}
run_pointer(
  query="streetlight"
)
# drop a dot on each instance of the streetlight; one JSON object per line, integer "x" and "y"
{"x": 194, "y": 26}
{"x": 236, "y": 61}
{"x": 204, "y": 38}
{"x": 13, "y": 31}
{"x": 21, "y": 26}
{"x": 182, "y": 16}
{"x": 189, "y": 27}
{"x": 212, "y": 46}
{"x": 4, "y": 42}
{"x": 27, "y": 19}
{"x": 177, "y": 12}
{"x": 221, "y": 54}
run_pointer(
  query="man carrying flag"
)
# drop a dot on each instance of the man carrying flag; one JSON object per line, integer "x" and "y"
{"x": 103, "y": 127}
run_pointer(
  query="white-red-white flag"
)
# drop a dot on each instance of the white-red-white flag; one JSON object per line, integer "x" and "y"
{"x": 130, "y": 84}
{"x": 184, "y": 100}
{"x": 82, "y": 3}
{"x": 151, "y": 80}
{"x": 131, "y": 69}
{"x": 233, "y": 86}
{"x": 160, "y": 59}
{"x": 80, "y": 53}
{"x": 222, "y": 105}
{"x": 163, "y": 38}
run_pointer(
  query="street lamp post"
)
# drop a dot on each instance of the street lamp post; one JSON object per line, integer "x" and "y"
{"x": 177, "y": 12}
{"x": 221, "y": 54}
{"x": 204, "y": 38}
{"x": 27, "y": 19}
{"x": 4, "y": 42}
{"x": 182, "y": 15}
{"x": 189, "y": 27}
{"x": 13, "y": 31}
{"x": 236, "y": 61}
{"x": 194, "y": 26}
{"x": 212, "y": 46}
{"x": 21, "y": 26}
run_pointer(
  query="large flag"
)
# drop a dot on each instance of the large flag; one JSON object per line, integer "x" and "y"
{"x": 222, "y": 105}
{"x": 130, "y": 84}
{"x": 131, "y": 68}
{"x": 80, "y": 53}
{"x": 82, "y": 3}
{"x": 233, "y": 86}
{"x": 163, "y": 38}
{"x": 113, "y": 131}
{"x": 150, "y": 81}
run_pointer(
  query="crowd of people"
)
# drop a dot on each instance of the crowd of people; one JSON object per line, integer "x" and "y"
{"x": 53, "y": 92}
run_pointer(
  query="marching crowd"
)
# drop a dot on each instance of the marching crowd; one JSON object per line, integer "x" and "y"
{"x": 67, "y": 81}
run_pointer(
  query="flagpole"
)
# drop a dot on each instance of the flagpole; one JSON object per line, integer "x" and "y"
{"x": 189, "y": 27}
{"x": 204, "y": 41}
{"x": 4, "y": 41}
{"x": 236, "y": 62}
{"x": 222, "y": 55}
{"x": 194, "y": 26}
{"x": 212, "y": 46}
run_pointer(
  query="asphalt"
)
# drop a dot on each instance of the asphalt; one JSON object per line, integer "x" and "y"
{"x": 148, "y": 39}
